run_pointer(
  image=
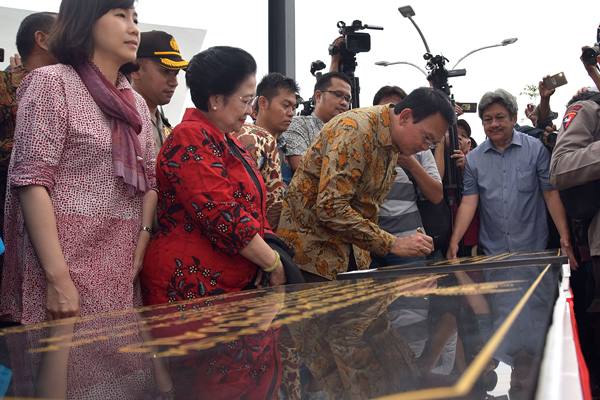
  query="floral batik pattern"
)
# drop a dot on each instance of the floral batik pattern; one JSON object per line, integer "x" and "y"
{"x": 211, "y": 205}
{"x": 333, "y": 201}
{"x": 262, "y": 146}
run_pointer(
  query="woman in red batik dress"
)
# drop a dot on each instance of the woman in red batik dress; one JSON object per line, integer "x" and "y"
{"x": 212, "y": 218}
{"x": 211, "y": 207}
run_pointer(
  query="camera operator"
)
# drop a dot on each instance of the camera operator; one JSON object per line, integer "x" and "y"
{"x": 332, "y": 96}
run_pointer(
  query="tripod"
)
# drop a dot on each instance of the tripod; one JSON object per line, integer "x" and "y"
{"x": 438, "y": 77}
{"x": 348, "y": 66}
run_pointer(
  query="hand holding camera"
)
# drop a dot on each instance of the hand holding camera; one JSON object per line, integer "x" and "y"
{"x": 590, "y": 57}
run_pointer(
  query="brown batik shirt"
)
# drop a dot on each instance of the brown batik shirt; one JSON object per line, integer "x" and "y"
{"x": 333, "y": 201}
{"x": 262, "y": 146}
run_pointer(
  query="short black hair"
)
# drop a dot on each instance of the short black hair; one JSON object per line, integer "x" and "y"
{"x": 473, "y": 143}
{"x": 270, "y": 85}
{"x": 217, "y": 70}
{"x": 388, "y": 91}
{"x": 461, "y": 123}
{"x": 426, "y": 101}
{"x": 324, "y": 81}
{"x": 42, "y": 22}
{"x": 71, "y": 40}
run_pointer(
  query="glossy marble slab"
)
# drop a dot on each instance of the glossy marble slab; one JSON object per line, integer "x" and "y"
{"x": 475, "y": 334}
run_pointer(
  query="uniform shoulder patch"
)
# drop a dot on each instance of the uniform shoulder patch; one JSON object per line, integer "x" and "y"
{"x": 571, "y": 114}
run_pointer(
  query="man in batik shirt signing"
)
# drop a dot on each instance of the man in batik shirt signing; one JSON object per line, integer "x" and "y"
{"x": 330, "y": 213}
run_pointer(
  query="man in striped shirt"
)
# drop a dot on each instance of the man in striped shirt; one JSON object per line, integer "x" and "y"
{"x": 399, "y": 214}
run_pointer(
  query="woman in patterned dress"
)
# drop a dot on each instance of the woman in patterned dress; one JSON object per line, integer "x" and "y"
{"x": 82, "y": 170}
{"x": 211, "y": 207}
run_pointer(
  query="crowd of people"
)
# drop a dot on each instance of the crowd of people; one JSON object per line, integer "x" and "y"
{"x": 108, "y": 205}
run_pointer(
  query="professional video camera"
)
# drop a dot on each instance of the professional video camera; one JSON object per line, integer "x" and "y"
{"x": 352, "y": 44}
{"x": 589, "y": 54}
{"x": 438, "y": 74}
{"x": 308, "y": 106}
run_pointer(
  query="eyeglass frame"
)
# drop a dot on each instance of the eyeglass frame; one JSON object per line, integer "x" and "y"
{"x": 430, "y": 143}
{"x": 249, "y": 103}
{"x": 339, "y": 94}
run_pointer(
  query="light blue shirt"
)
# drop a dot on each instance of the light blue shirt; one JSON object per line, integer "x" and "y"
{"x": 510, "y": 185}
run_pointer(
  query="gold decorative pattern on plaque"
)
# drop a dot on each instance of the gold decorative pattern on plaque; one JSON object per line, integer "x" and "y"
{"x": 498, "y": 257}
{"x": 194, "y": 327}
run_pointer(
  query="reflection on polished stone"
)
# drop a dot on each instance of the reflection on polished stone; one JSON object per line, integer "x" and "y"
{"x": 435, "y": 335}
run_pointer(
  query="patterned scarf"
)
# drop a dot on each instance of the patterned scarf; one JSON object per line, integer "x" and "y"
{"x": 119, "y": 105}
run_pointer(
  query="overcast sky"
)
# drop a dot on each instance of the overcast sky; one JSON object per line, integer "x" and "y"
{"x": 550, "y": 38}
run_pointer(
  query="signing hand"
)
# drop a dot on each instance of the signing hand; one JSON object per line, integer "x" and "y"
{"x": 415, "y": 245}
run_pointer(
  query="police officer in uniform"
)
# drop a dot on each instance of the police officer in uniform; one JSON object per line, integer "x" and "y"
{"x": 575, "y": 161}
{"x": 159, "y": 60}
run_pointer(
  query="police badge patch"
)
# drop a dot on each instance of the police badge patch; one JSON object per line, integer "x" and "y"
{"x": 570, "y": 115}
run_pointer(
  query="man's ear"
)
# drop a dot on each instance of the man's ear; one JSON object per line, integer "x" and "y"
{"x": 405, "y": 116}
{"x": 136, "y": 74}
{"x": 317, "y": 96}
{"x": 41, "y": 39}
{"x": 263, "y": 102}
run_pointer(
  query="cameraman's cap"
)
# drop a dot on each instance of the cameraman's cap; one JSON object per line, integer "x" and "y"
{"x": 161, "y": 47}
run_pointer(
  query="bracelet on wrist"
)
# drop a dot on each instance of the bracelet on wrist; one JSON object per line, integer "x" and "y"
{"x": 275, "y": 264}
{"x": 146, "y": 229}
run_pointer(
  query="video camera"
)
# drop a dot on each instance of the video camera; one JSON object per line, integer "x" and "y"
{"x": 438, "y": 74}
{"x": 308, "y": 106}
{"x": 354, "y": 42}
{"x": 589, "y": 54}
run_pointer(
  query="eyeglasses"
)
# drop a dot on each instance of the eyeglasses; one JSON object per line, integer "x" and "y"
{"x": 339, "y": 95}
{"x": 431, "y": 143}
{"x": 249, "y": 100}
{"x": 490, "y": 120}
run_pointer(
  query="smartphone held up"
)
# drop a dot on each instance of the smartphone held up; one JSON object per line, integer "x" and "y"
{"x": 554, "y": 81}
